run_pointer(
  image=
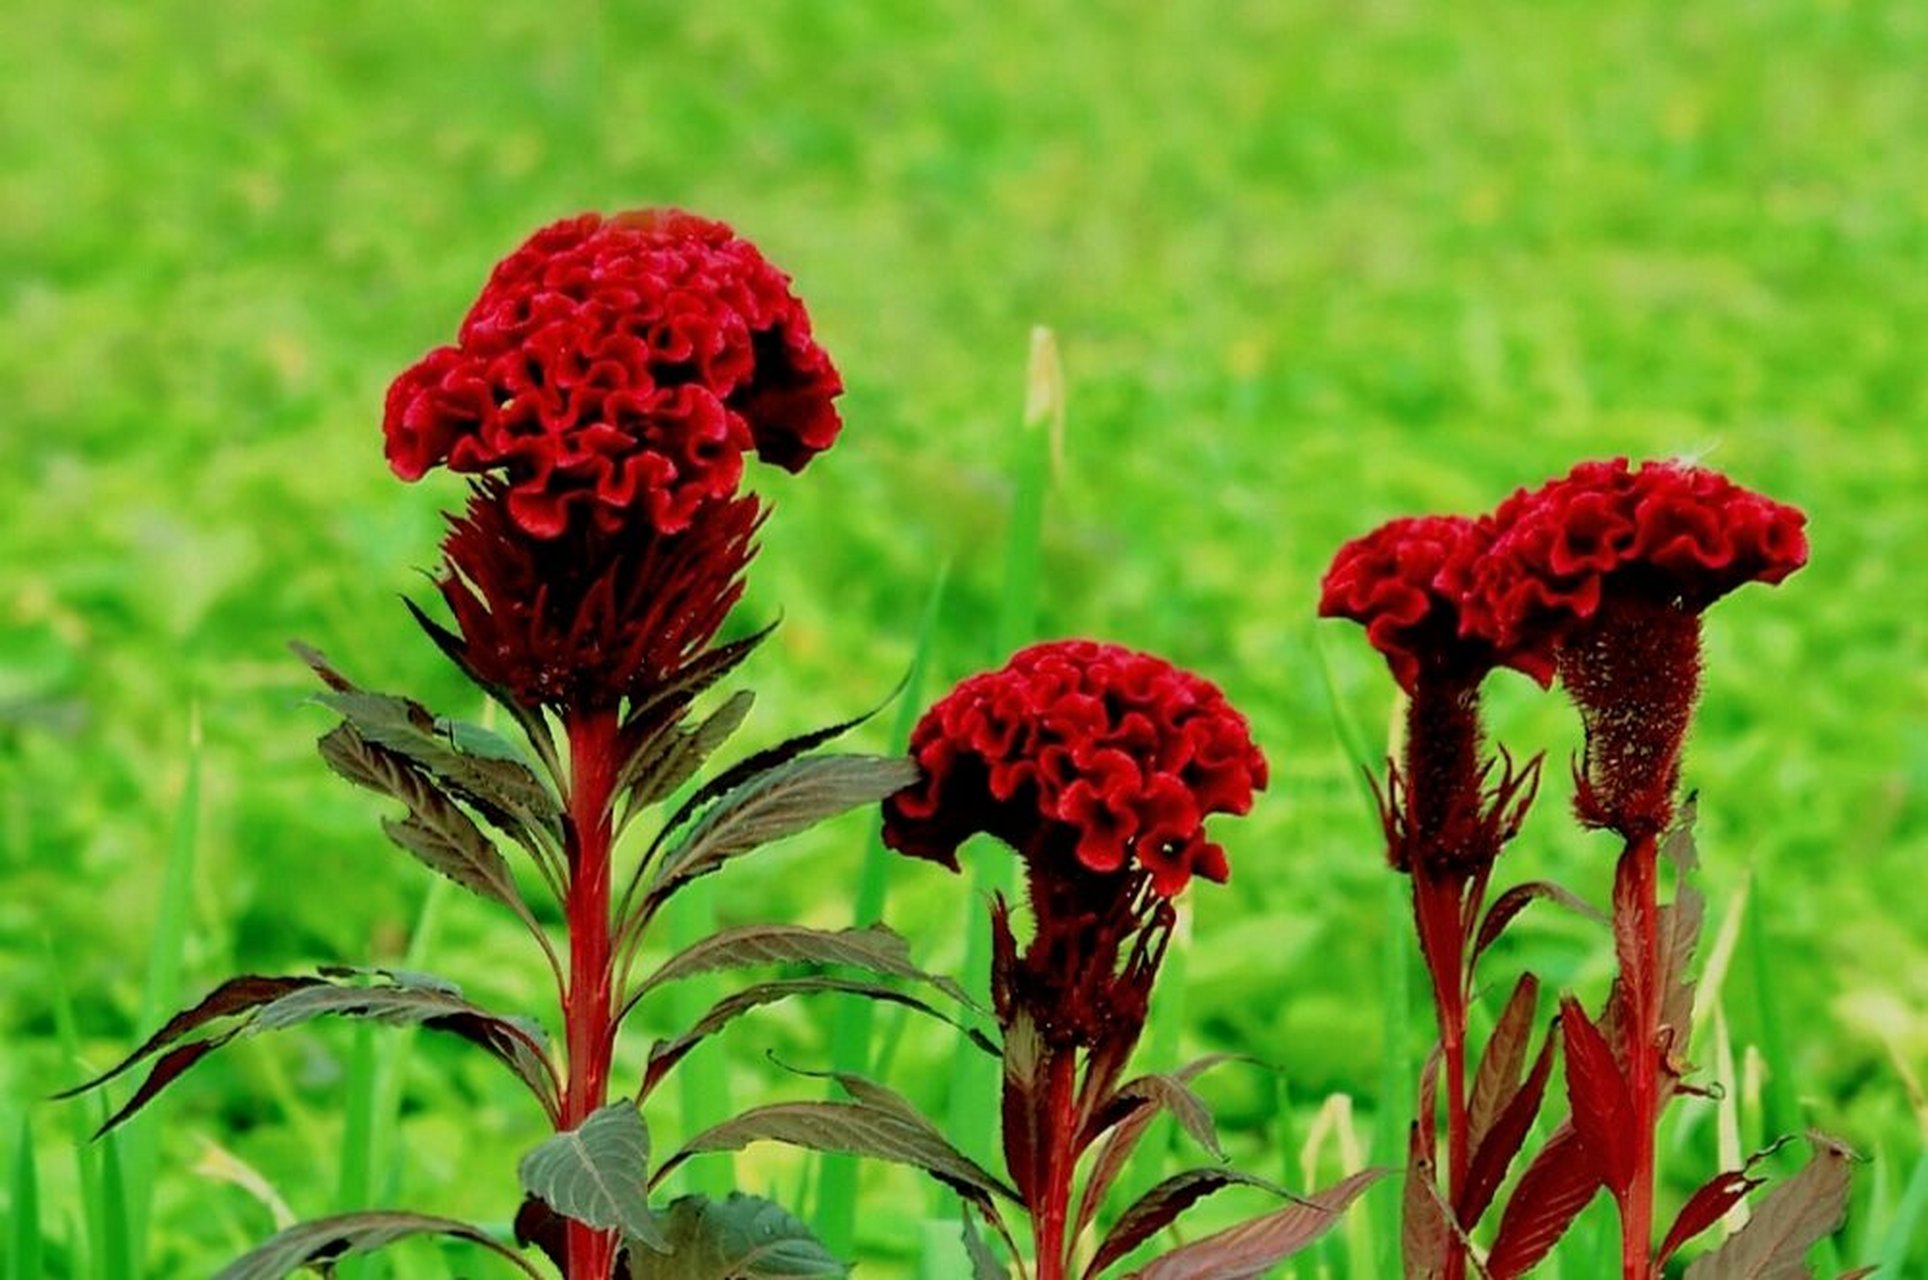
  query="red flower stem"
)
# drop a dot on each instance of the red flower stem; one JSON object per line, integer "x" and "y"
{"x": 1638, "y": 893}
{"x": 1440, "y": 914}
{"x": 587, "y": 1012}
{"x": 1056, "y": 1126}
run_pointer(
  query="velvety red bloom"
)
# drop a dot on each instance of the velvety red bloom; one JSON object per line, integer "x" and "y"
{"x": 1615, "y": 566}
{"x": 1401, "y": 582}
{"x": 1674, "y": 533}
{"x": 1083, "y": 751}
{"x": 582, "y": 620}
{"x": 619, "y": 365}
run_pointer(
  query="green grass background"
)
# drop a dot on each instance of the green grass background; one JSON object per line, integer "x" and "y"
{"x": 1311, "y": 264}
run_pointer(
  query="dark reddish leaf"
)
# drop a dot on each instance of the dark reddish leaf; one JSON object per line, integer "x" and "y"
{"x": 1598, "y": 1098}
{"x": 1679, "y": 934}
{"x": 235, "y": 996}
{"x": 1515, "y": 900}
{"x": 1787, "y": 1223}
{"x": 665, "y": 1054}
{"x": 1122, "y": 1138}
{"x": 850, "y": 1128}
{"x": 455, "y": 649}
{"x": 1425, "y": 1236}
{"x": 1704, "y": 1208}
{"x": 875, "y": 948}
{"x": 773, "y": 803}
{"x": 1249, "y": 1249}
{"x": 167, "y": 1068}
{"x": 1498, "y": 1074}
{"x": 1159, "y": 1207}
{"x": 436, "y": 831}
{"x": 538, "y": 1225}
{"x": 1493, "y": 1155}
{"x": 749, "y": 768}
{"x": 669, "y": 759}
{"x": 696, "y": 677}
{"x": 326, "y": 1239}
{"x": 1159, "y": 1092}
{"x": 1557, "y": 1185}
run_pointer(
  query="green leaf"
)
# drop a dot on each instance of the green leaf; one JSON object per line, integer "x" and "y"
{"x": 597, "y": 1174}
{"x": 23, "y": 1258}
{"x": 778, "y": 802}
{"x": 326, "y": 1239}
{"x": 739, "y": 1238}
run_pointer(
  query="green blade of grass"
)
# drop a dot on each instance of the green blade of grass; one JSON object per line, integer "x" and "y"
{"x": 161, "y": 993}
{"x": 850, "y": 1037}
{"x": 103, "y": 1225}
{"x": 1908, "y": 1215}
{"x": 23, "y": 1255}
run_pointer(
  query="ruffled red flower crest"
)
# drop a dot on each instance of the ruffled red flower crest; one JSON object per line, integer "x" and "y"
{"x": 1402, "y": 582}
{"x": 623, "y": 366}
{"x": 1112, "y": 755}
{"x": 1669, "y": 532}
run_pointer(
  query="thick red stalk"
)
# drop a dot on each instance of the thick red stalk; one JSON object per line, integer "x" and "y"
{"x": 1439, "y": 914}
{"x": 1056, "y": 1131}
{"x": 587, "y": 1010}
{"x": 1638, "y": 896}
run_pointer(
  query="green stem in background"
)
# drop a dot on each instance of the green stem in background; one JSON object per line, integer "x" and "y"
{"x": 703, "y": 1082}
{"x": 23, "y": 1252}
{"x": 974, "y": 1085}
{"x": 850, "y": 1036}
{"x": 374, "y": 1095}
{"x": 588, "y": 1008}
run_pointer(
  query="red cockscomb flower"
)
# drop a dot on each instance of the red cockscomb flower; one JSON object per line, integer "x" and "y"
{"x": 1400, "y": 582}
{"x": 1674, "y": 533}
{"x": 1082, "y": 750}
{"x": 620, "y": 365}
{"x": 585, "y": 619}
{"x": 1614, "y": 567}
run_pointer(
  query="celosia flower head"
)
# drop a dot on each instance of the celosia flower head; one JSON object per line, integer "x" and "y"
{"x": 620, "y": 368}
{"x": 1081, "y": 751}
{"x": 1402, "y": 583}
{"x": 1676, "y": 534}
{"x": 1613, "y": 566}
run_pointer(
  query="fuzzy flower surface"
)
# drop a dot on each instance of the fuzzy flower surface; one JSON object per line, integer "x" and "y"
{"x": 1082, "y": 750}
{"x": 1676, "y": 534}
{"x": 620, "y": 367}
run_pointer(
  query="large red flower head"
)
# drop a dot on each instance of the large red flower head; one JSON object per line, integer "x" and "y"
{"x": 1400, "y": 582}
{"x": 620, "y": 366}
{"x": 1671, "y": 533}
{"x": 1086, "y": 751}
{"x": 1614, "y": 566}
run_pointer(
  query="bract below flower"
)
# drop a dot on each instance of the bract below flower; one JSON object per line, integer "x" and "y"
{"x": 1083, "y": 750}
{"x": 619, "y": 365}
{"x": 583, "y": 620}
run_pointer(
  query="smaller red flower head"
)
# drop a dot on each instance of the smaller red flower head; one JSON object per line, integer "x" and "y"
{"x": 1669, "y": 532}
{"x": 620, "y": 365}
{"x": 1400, "y": 582}
{"x": 1078, "y": 748}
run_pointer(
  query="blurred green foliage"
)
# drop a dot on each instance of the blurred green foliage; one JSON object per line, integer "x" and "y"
{"x": 1311, "y": 263}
